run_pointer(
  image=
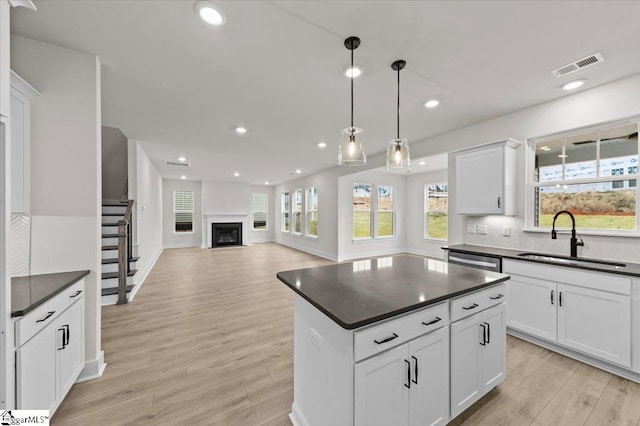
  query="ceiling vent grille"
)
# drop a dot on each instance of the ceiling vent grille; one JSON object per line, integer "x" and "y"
{"x": 579, "y": 64}
{"x": 173, "y": 163}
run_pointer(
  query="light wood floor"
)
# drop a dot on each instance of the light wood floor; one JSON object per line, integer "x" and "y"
{"x": 208, "y": 341}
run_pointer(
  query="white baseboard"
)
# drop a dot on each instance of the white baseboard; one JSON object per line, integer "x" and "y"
{"x": 93, "y": 369}
{"x": 318, "y": 253}
{"x": 144, "y": 275}
{"x": 296, "y": 417}
{"x": 181, "y": 245}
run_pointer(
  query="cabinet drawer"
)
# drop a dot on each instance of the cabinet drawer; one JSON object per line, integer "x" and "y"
{"x": 27, "y": 326}
{"x": 477, "y": 301}
{"x": 380, "y": 337}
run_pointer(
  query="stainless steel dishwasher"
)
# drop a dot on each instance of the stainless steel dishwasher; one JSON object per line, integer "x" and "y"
{"x": 479, "y": 261}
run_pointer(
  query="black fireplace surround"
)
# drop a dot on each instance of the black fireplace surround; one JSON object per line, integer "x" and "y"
{"x": 226, "y": 234}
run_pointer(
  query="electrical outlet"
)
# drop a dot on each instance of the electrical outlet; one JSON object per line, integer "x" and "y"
{"x": 471, "y": 229}
{"x": 506, "y": 230}
{"x": 482, "y": 229}
{"x": 316, "y": 338}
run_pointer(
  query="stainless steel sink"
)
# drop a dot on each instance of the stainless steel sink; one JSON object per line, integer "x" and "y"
{"x": 573, "y": 261}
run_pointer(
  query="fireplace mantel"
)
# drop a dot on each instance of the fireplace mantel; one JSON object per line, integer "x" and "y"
{"x": 223, "y": 217}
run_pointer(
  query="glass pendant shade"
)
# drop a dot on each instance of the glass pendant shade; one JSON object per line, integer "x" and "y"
{"x": 398, "y": 158}
{"x": 350, "y": 151}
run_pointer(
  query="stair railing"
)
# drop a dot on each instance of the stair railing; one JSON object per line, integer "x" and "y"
{"x": 124, "y": 253}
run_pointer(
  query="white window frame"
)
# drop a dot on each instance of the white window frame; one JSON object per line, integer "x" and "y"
{"x": 425, "y": 214}
{"x": 377, "y": 212}
{"x": 530, "y": 182}
{"x": 192, "y": 211}
{"x": 283, "y": 196}
{"x": 308, "y": 210}
{"x": 254, "y": 211}
{"x": 294, "y": 211}
{"x": 371, "y": 213}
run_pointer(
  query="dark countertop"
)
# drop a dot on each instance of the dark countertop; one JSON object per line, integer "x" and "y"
{"x": 30, "y": 291}
{"x": 632, "y": 269}
{"x": 366, "y": 291}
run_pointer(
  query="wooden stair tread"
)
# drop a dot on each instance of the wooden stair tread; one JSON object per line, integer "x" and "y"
{"x": 109, "y": 235}
{"x": 115, "y": 260}
{"x": 107, "y": 275}
{"x": 113, "y": 214}
{"x": 114, "y": 290}
{"x": 109, "y": 247}
{"x": 114, "y": 204}
{"x": 109, "y": 223}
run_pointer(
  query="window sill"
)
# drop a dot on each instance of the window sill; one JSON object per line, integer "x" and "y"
{"x": 259, "y": 230}
{"x": 311, "y": 237}
{"x": 372, "y": 240}
{"x": 595, "y": 232}
{"x": 438, "y": 240}
{"x": 183, "y": 233}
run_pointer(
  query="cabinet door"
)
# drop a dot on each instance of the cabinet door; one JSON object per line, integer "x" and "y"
{"x": 479, "y": 182}
{"x": 466, "y": 343}
{"x": 532, "y": 306}
{"x": 36, "y": 371}
{"x": 494, "y": 353}
{"x": 595, "y": 322}
{"x": 381, "y": 392}
{"x": 429, "y": 397}
{"x": 71, "y": 358}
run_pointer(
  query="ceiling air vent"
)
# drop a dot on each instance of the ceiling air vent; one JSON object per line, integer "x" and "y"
{"x": 173, "y": 163}
{"x": 579, "y": 64}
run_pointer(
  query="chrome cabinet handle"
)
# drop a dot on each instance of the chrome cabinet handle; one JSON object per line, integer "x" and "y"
{"x": 468, "y": 308}
{"x": 47, "y": 317}
{"x": 77, "y": 293}
{"x": 498, "y": 296}
{"x": 408, "y": 384}
{"x": 484, "y": 335}
{"x": 438, "y": 319}
{"x": 415, "y": 370}
{"x": 388, "y": 339}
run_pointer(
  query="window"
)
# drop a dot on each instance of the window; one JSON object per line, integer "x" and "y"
{"x": 311, "y": 206}
{"x": 259, "y": 204}
{"x": 361, "y": 211}
{"x": 183, "y": 211}
{"x": 297, "y": 211}
{"x": 385, "y": 211}
{"x": 436, "y": 207}
{"x": 592, "y": 173}
{"x": 285, "y": 212}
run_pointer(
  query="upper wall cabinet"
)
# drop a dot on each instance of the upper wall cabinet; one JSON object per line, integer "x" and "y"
{"x": 486, "y": 179}
{"x": 20, "y": 119}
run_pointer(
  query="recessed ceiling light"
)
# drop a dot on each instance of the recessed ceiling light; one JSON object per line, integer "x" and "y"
{"x": 298, "y": 171}
{"x": 354, "y": 72}
{"x": 432, "y": 103}
{"x": 236, "y": 174}
{"x": 573, "y": 84}
{"x": 545, "y": 148}
{"x": 241, "y": 130}
{"x": 182, "y": 159}
{"x": 183, "y": 177}
{"x": 422, "y": 163}
{"x": 266, "y": 182}
{"x": 210, "y": 13}
{"x": 562, "y": 155}
{"x": 322, "y": 144}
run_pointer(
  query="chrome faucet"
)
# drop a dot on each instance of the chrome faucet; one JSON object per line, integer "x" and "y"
{"x": 574, "y": 240}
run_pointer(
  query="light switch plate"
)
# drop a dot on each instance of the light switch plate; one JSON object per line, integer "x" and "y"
{"x": 471, "y": 229}
{"x": 506, "y": 230}
{"x": 482, "y": 229}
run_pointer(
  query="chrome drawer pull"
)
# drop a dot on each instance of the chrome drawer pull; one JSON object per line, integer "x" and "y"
{"x": 388, "y": 339}
{"x": 77, "y": 293}
{"x": 499, "y": 296}
{"x": 438, "y": 319}
{"x": 468, "y": 308}
{"x": 47, "y": 317}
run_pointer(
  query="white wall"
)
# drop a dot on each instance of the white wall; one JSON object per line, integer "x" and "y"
{"x": 66, "y": 170}
{"x": 347, "y": 247}
{"x": 114, "y": 163}
{"x": 415, "y": 241}
{"x": 169, "y": 237}
{"x": 147, "y": 214}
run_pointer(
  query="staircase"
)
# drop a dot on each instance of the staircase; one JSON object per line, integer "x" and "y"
{"x": 116, "y": 230}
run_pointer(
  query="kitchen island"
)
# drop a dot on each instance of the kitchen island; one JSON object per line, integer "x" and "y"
{"x": 401, "y": 340}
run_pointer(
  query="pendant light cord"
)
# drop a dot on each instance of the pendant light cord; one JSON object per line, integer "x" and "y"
{"x": 352, "y": 87}
{"x": 398, "y": 110}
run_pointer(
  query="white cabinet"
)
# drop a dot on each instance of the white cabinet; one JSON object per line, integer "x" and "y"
{"x": 486, "y": 179}
{"x": 50, "y": 358}
{"x": 478, "y": 357}
{"x": 595, "y": 322}
{"x": 21, "y": 95}
{"x": 405, "y": 386}
{"x": 589, "y": 312}
{"x": 36, "y": 371}
{"x": 532, "y": 306}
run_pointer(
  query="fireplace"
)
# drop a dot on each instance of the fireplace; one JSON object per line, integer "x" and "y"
{"x": 226, "y": 234}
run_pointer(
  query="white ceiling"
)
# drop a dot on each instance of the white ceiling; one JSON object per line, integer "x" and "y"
{"x": 181, "y": 86}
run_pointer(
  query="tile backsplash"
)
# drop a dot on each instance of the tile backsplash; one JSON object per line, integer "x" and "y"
{"x": 20, "y": 245}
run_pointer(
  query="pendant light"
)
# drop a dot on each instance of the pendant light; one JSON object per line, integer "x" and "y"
{"x": 398, "y": 158}
{"x": 350, "y": 151}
